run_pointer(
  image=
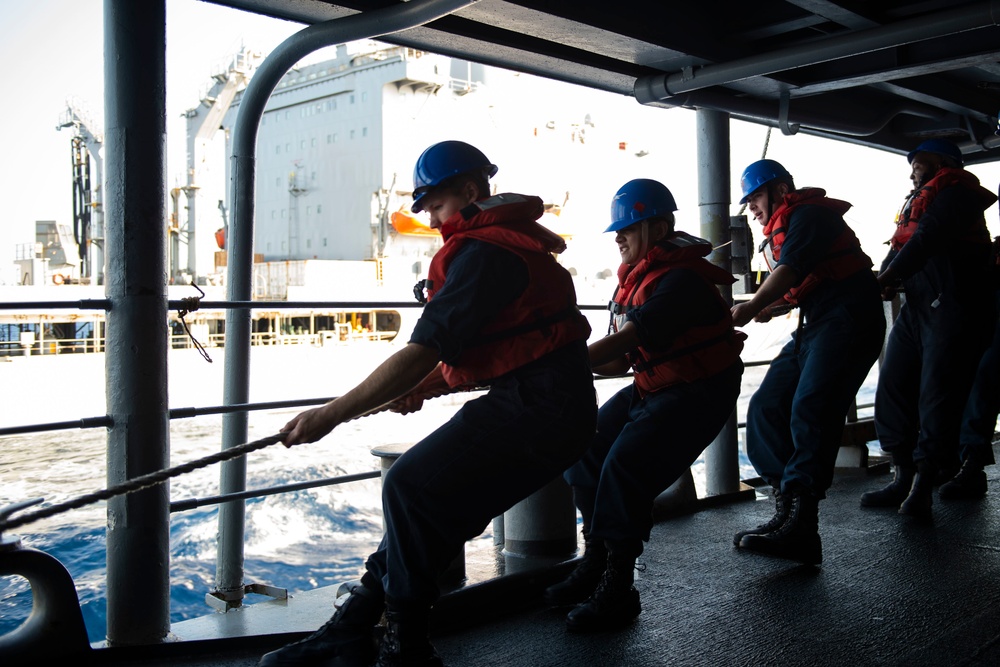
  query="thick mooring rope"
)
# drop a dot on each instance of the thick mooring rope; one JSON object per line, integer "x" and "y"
{"x": 160, "y": 476}
{"x": 139, "y": 483}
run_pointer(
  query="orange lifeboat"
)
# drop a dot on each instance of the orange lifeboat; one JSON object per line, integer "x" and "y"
{"x": 407, "y": 223}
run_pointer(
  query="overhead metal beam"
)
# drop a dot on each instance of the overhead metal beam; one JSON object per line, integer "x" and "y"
{"x": 661, "y": 87}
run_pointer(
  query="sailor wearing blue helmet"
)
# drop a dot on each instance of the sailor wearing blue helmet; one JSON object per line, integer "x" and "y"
{"x": 671, "y": 327}
{"x": 795, "y": 419}
{"x": 940, "y": 255}
{"x": 500, "y": 314}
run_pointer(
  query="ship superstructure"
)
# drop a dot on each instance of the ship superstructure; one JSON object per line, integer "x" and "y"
{"x": 336, "y": 150}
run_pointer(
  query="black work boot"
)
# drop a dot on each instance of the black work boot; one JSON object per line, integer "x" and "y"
{"x": 406, "y": 642}
{"x": 346, "y": 640}
{"x": 895, "y": 493}
{"x": 797, "y": 539}
{"x": 613, "y": 604}
{"x": 921, "y": 497}
{"x": 582, "y": 581}
{"x": 781, "y": 507}
{"x": 968, "y": 484}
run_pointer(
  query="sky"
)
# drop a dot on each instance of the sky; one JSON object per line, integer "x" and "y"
{"x": 60, "y": 44}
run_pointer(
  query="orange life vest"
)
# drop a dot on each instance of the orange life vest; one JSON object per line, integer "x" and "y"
{"x": 699, "y": 352}
{"x": 919, "y": 200}
{"x": 845, "y": 257}
{"x": 543, "y": 319}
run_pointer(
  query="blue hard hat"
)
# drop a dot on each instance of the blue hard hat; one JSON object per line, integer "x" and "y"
{"x": 938, "y": 146}
{"x": 638, "y": 200}
{"x": 759, "y": 173}
{"x": 444, "y": 160}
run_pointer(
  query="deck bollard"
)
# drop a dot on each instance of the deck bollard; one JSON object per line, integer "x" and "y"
{"x": 541, "y": 529}
{"x": 387, "y": 454}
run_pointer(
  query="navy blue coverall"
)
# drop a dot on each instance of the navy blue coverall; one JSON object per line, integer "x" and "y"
{"x": 644, "y": 444}
{"x": 497, "y": 449}
{"x": 795, "y": 419}
{"x": 979, "y": 421}
{"x": 937, "y": 340}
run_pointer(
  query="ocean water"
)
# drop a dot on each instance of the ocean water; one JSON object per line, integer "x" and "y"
{"x": 297, "y": 541}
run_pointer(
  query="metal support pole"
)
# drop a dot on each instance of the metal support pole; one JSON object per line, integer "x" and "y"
{"x": 239, "y": 284}
{"x": 138, "y": 544}
{"x": 722, "y": 468}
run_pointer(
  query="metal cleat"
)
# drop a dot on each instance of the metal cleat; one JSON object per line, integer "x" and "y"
{"x": 55, "y": 627}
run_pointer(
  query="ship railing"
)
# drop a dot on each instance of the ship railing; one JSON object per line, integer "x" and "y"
{"x": 181, "y": 413}
{"x": 343, "y": 334}
{"x": 41, "y": 341}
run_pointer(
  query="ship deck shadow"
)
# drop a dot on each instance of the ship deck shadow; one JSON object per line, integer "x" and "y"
{"x": 890, "y": 591}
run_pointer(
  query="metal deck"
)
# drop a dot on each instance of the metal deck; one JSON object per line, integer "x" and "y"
{"x": 890, "y": 591}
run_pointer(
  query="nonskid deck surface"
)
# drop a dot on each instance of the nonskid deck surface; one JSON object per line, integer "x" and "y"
{"x": 890, "y": 591}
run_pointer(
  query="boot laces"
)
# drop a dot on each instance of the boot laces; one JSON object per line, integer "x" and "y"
{"x": 389, "y": 646}
{"x": 782, "y": 509}
{"x": 613, "y": 582}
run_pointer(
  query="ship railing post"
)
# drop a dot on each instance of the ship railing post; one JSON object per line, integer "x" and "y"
{"x": 722, "y": 472}
{"x": 239, "y": 283}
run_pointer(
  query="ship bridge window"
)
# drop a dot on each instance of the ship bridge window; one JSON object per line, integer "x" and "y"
{"x": 319, "y": 208}
{"x": 277, "y": 149}
{"x": 288, "y": 114}
{"x": 352, "y": 99}
{"x": 364, "y": 96}
{"x": 288, "y": 148}
{"x": 302, "y": 143}
{"x": 364, "y": 132}
{"x": 352, "y": 134}
{"x": 312, "y": 142}
{"x": 277, "y": 181}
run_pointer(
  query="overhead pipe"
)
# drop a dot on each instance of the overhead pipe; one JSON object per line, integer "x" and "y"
{"x": 376, "y": 23}
{"x": 662, "y": 87}
{"x": 812, "y": 112}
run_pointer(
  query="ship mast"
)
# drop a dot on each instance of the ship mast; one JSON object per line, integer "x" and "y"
{"x": 88, "y": 210}
{"x": 202, "y": 123}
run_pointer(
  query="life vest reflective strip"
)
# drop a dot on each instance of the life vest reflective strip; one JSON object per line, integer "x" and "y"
{"x": 699, "y": 352}
{"x": 844, "y": 258}
{"x": 543, "y": 319}
{"x": 919, "y": 201}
